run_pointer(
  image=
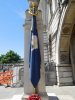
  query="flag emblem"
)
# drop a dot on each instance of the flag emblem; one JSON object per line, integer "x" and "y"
{"x": 34, "y": 42}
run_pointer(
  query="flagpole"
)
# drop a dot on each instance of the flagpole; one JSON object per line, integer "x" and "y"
{"x": 34, "y": 12}
{"x": 35, "y": 90}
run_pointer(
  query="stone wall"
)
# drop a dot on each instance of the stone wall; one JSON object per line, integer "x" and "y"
{"x": 50, "y": 74}
{"x": 64, "y": 74}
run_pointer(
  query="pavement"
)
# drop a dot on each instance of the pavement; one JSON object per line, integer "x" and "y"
{"x": 61, "y": 93}
{"x": 54, "y": 93}
{"x": 11, "y": 93}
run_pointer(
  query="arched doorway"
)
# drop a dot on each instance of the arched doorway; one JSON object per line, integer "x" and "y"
{"x": 65, "y": 48}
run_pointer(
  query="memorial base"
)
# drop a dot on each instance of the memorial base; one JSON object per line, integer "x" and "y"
{"x": 43, "y": 96}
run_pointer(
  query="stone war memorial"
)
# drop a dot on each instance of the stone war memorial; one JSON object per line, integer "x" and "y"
{"x": 34, "y": 74}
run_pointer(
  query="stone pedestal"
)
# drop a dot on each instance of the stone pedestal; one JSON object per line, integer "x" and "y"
{"x": 28, "y": 88}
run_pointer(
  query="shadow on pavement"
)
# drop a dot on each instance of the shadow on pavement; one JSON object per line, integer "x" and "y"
{"x": 53, "y": 98}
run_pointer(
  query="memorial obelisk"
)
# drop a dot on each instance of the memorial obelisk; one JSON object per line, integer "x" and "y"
{"x": 30, "y": 85}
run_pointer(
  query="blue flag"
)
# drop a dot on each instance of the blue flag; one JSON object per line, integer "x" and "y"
{"x": 34, "y": 58}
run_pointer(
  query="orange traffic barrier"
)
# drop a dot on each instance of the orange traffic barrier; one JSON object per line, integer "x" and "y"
{"x": 6, "y": 77}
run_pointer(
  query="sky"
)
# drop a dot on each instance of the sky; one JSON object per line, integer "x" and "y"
{"x": 12, "y": 18}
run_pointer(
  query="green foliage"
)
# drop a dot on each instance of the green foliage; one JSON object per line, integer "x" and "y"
{"x": 1, "y": 58}
{"x": 10, "y": 57}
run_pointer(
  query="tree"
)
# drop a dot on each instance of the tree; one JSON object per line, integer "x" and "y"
{"x": 10, "y": 57}
{"x": 1, "y": 57}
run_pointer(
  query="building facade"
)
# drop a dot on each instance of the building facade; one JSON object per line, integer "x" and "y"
{"x": 59, "y": 40}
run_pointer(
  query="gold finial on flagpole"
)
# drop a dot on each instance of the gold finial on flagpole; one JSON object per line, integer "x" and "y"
{"x": 33, "y": 10}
